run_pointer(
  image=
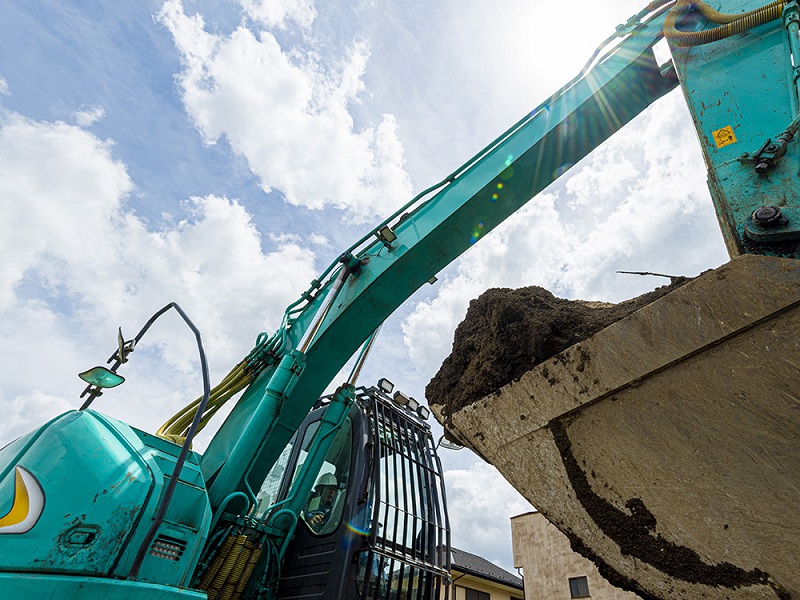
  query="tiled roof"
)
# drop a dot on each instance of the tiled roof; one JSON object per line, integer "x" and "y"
{"x": 475, "y": 565}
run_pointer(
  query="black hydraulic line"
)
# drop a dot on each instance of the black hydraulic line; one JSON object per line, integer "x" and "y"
{"x": 173, "y": 480}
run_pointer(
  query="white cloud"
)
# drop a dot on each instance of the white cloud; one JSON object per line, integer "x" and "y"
{"x": 287, "y": 113}
{"x": 77, "y": 263}
{"x": 278, "y": 12}
{"x": 319, "y": 240}
{"x": 480, "y": 503}
{"x": 4, "y": 91}
{"x": 633, "y": 205}
{"x": 89, "y": 115}
{"x": 26, "y": 412}
{"x": 60, "y": 190}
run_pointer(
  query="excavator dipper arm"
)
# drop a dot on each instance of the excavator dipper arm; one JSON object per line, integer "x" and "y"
{"x": 419, "y": 244}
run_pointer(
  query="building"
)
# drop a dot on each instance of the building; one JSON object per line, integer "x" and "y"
{"x": 551, "y": 569}
{"x": 475, "y": 578}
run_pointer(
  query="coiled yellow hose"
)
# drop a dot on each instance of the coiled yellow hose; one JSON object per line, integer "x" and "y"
{"x": 229, "y": 561}
{"x": 230, "y": 571}
{"x": 729, "y": 24}
{"x": 208, "y": 576}
{"x": 248, "y": 569}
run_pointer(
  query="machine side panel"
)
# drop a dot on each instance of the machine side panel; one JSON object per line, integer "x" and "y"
{"x": 92, "y": 486}
{"x": 75, "y": 491}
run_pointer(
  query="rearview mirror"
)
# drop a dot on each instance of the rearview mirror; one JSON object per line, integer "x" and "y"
{"x": 101, "y": 377}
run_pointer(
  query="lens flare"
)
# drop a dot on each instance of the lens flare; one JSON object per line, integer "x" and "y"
{"x": 363, "y": 531}
{"x": 476, "y": 233}
{"x": 561, "y": 170}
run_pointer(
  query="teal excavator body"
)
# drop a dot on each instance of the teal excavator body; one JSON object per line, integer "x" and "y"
{"x": 83, "y": 485}
{"x": 90, "y": 506}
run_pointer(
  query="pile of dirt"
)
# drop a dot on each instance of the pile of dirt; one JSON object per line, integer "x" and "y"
{"x": 507, "y": 332}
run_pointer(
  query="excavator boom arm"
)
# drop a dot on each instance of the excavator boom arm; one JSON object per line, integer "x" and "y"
{"x": 498, "y": 182}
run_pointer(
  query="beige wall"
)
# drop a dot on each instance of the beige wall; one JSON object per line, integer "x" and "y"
{"x": 548, "y": 562}
{"x": 495, "y": 591}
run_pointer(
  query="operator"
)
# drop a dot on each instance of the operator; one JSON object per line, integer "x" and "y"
{"x": 319, "y": 508}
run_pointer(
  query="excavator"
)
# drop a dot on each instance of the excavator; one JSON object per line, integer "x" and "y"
{"x": 341, "y": 496}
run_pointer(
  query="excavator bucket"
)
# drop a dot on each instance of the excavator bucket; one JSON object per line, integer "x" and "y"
{"x": 667, "y": 445}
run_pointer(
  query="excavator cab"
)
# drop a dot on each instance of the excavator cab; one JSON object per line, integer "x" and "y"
{"x": 375, "y": 524}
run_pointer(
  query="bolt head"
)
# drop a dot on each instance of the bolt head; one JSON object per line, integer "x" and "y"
{"x": 767, "y": 216}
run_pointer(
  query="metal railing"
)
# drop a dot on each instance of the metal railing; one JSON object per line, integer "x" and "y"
{"x": 408, "y": 554}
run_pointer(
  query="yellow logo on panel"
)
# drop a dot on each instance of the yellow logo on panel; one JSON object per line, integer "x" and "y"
{"x": 27, "y": 505}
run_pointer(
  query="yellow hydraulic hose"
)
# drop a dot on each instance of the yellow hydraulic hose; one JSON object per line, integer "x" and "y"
{"x": 248, "y": 569}
{"x": 228, "y": 560}
{"x": 729, "y": 24}
{"x": 219, "y": 558}
{"x": 175, "y": 428}
{"x": 231, "y": 568}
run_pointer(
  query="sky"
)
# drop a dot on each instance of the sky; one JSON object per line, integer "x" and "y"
{"x": 222, "y": 154}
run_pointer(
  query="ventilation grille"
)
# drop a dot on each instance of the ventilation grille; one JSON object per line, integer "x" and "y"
{"x": 168, "y": 547}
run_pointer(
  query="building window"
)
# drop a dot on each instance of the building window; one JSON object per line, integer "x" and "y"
{"x": 475, "y": 594}
{"x": 578, "y": 587}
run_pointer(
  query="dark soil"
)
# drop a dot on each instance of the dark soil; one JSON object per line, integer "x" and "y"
{"x": 507, "y": 332}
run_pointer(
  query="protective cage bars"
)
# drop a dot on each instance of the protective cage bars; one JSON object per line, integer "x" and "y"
{"x": 409, "y": 555}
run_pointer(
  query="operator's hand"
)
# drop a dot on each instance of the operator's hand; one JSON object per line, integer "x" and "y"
{"x": 316, "y": 519}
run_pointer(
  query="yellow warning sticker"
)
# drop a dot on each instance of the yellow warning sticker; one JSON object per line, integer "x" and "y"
{"x": 724, "y": 136}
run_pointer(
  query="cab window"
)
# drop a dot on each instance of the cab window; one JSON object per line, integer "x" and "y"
{"x": 322, "y": 510}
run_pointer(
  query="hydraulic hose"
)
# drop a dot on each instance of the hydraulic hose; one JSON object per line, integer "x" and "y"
{"x": 175, "y": 428}
{"x": 729, "y": 24}
{"x": 243, "y": 374}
